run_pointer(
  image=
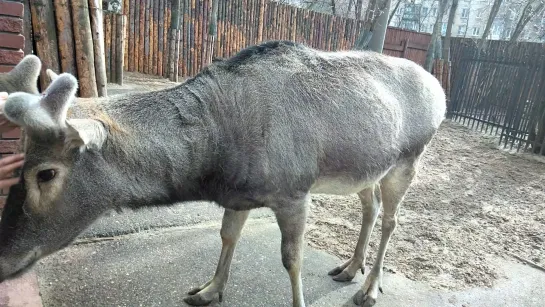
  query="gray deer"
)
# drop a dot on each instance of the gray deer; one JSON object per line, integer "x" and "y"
{"x": 264, "y": 128}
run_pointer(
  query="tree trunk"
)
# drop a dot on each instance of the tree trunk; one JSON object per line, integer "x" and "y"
{"x": 527, "y": 14}
{"x": 493, "y": 12}
{"x": 333, "y": 10}
{"x": 451, "y": 16}
{"x": 435, "y": 35}
{"x": 359, "y": 9}
{"x": 379, "y": 28}
{"x": 174, "y": 23}
{"x": 350, "y": 4}
{"x": 392, "y": 13}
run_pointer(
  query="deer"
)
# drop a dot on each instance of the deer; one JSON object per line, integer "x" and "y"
{"x": 266, "y": 128}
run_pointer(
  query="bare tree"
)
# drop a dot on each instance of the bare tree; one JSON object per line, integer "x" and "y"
{"x": 493, "y": 12}
{"x": 359, "y": 9}
{"x": 350, "y": 4}
{"x": 450, "y": 22}
{"x": 372, "y": 35}
{"x": 531, "y": 9}
{"x": 333, "y": 10}
{"x": 392, "y": 13}
{"x": 435, "y": 34}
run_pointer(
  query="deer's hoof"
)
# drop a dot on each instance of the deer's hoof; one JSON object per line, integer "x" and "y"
{"x": 197, "y": 298}
{"x": 343, "y": 276}
{"x": 364, "y": 300}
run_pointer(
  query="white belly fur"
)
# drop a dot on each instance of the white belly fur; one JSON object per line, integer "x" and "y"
{"x": 342, "y": 185}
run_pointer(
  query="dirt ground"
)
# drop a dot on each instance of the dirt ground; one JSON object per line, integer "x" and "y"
{"x": 470, "y": 200}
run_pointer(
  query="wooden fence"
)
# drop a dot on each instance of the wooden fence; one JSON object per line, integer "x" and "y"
{"x": 241, "y": 23}
{"x": 67, "y": 36}
{"x": 114, "y": 42}
{"x": 500, "y": 90}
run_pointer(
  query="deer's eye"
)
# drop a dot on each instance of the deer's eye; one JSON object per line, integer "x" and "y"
{"x": 46, "y": 175}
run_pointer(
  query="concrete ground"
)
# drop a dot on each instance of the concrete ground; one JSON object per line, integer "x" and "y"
{"x": 153, "y": 257}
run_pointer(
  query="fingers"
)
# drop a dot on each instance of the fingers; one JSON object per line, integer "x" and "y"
{"x": 7, "y": 183}
{"x": 7, "y": 170}
{"x": 11, "y": 159}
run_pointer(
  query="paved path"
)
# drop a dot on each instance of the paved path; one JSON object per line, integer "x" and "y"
{"x": 179, "y": 250}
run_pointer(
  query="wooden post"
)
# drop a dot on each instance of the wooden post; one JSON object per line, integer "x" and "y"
{"x": 212, "y": 30}
{"x": 45, "y": 37}
{"x": 174, "y": 41}
{"x": 98, "y": 37}
{"x": 126, "y": 27}
{"x": 66, "y": 37}
{"x": 120, "y": 44}
{"x": 166, "y": 49}
{"x": 108, "y": 45}
{"x": 142, "y": 20}
{"x": 113, "y": 51}
{"x": 84, "y": 49}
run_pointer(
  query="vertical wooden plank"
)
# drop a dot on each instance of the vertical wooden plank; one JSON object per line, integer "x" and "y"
{"x": 113, "y": 50}
{"x": 45, "y": 38}
{"x": 108, "y": 44}
{"x": 147, "y": 38}
{"x": 155, "y": 36}
{"x": 95, "y": 6}
{"x": 84, "y": 49}
{"x": 232, "y": 9}
{"x": 183, "y": 37}
{"x": 67, "y": 53}
{"x": 142, "y": 42}
{"x": 204, "y": 39}
{"x": 130, "y": 52}
{"x": 222, "y": 19}
{"x": 136, "y": 54}
{"x": 193, "y": 31}
{"x": 160, "y": 34}
{"x": 217, "y": 48}
{"x": 253, "y": 21}
{"x": 126, "y": 35}
{"x": 120, "y": 45}
{"x": 260, "y": 21}
{"x": 166, "y": 40}
{"x": 183, "y": 24}
{"x": 27, "y": 28}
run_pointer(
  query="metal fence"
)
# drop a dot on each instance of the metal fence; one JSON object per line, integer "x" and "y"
{"x": 500, "y": 90}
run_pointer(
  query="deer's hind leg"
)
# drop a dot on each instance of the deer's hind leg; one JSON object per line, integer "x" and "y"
{"x": 394, "y": 186}
{"x": 370, "y": 205}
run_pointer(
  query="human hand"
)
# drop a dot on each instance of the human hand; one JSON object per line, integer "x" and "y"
{"x": 7, "y": 166}
{"x": 5, "y": 124}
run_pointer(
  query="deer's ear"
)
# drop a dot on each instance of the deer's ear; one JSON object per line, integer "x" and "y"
{"x": 58, "y": 96}
{"x": 25, "y": 74}
{"x": 85, "y": 134}
{"x": 51, "y": 74}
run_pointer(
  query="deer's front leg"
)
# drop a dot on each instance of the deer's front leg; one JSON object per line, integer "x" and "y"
{"x": 291, "y": 218}
{"x": 232, "y": 224}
